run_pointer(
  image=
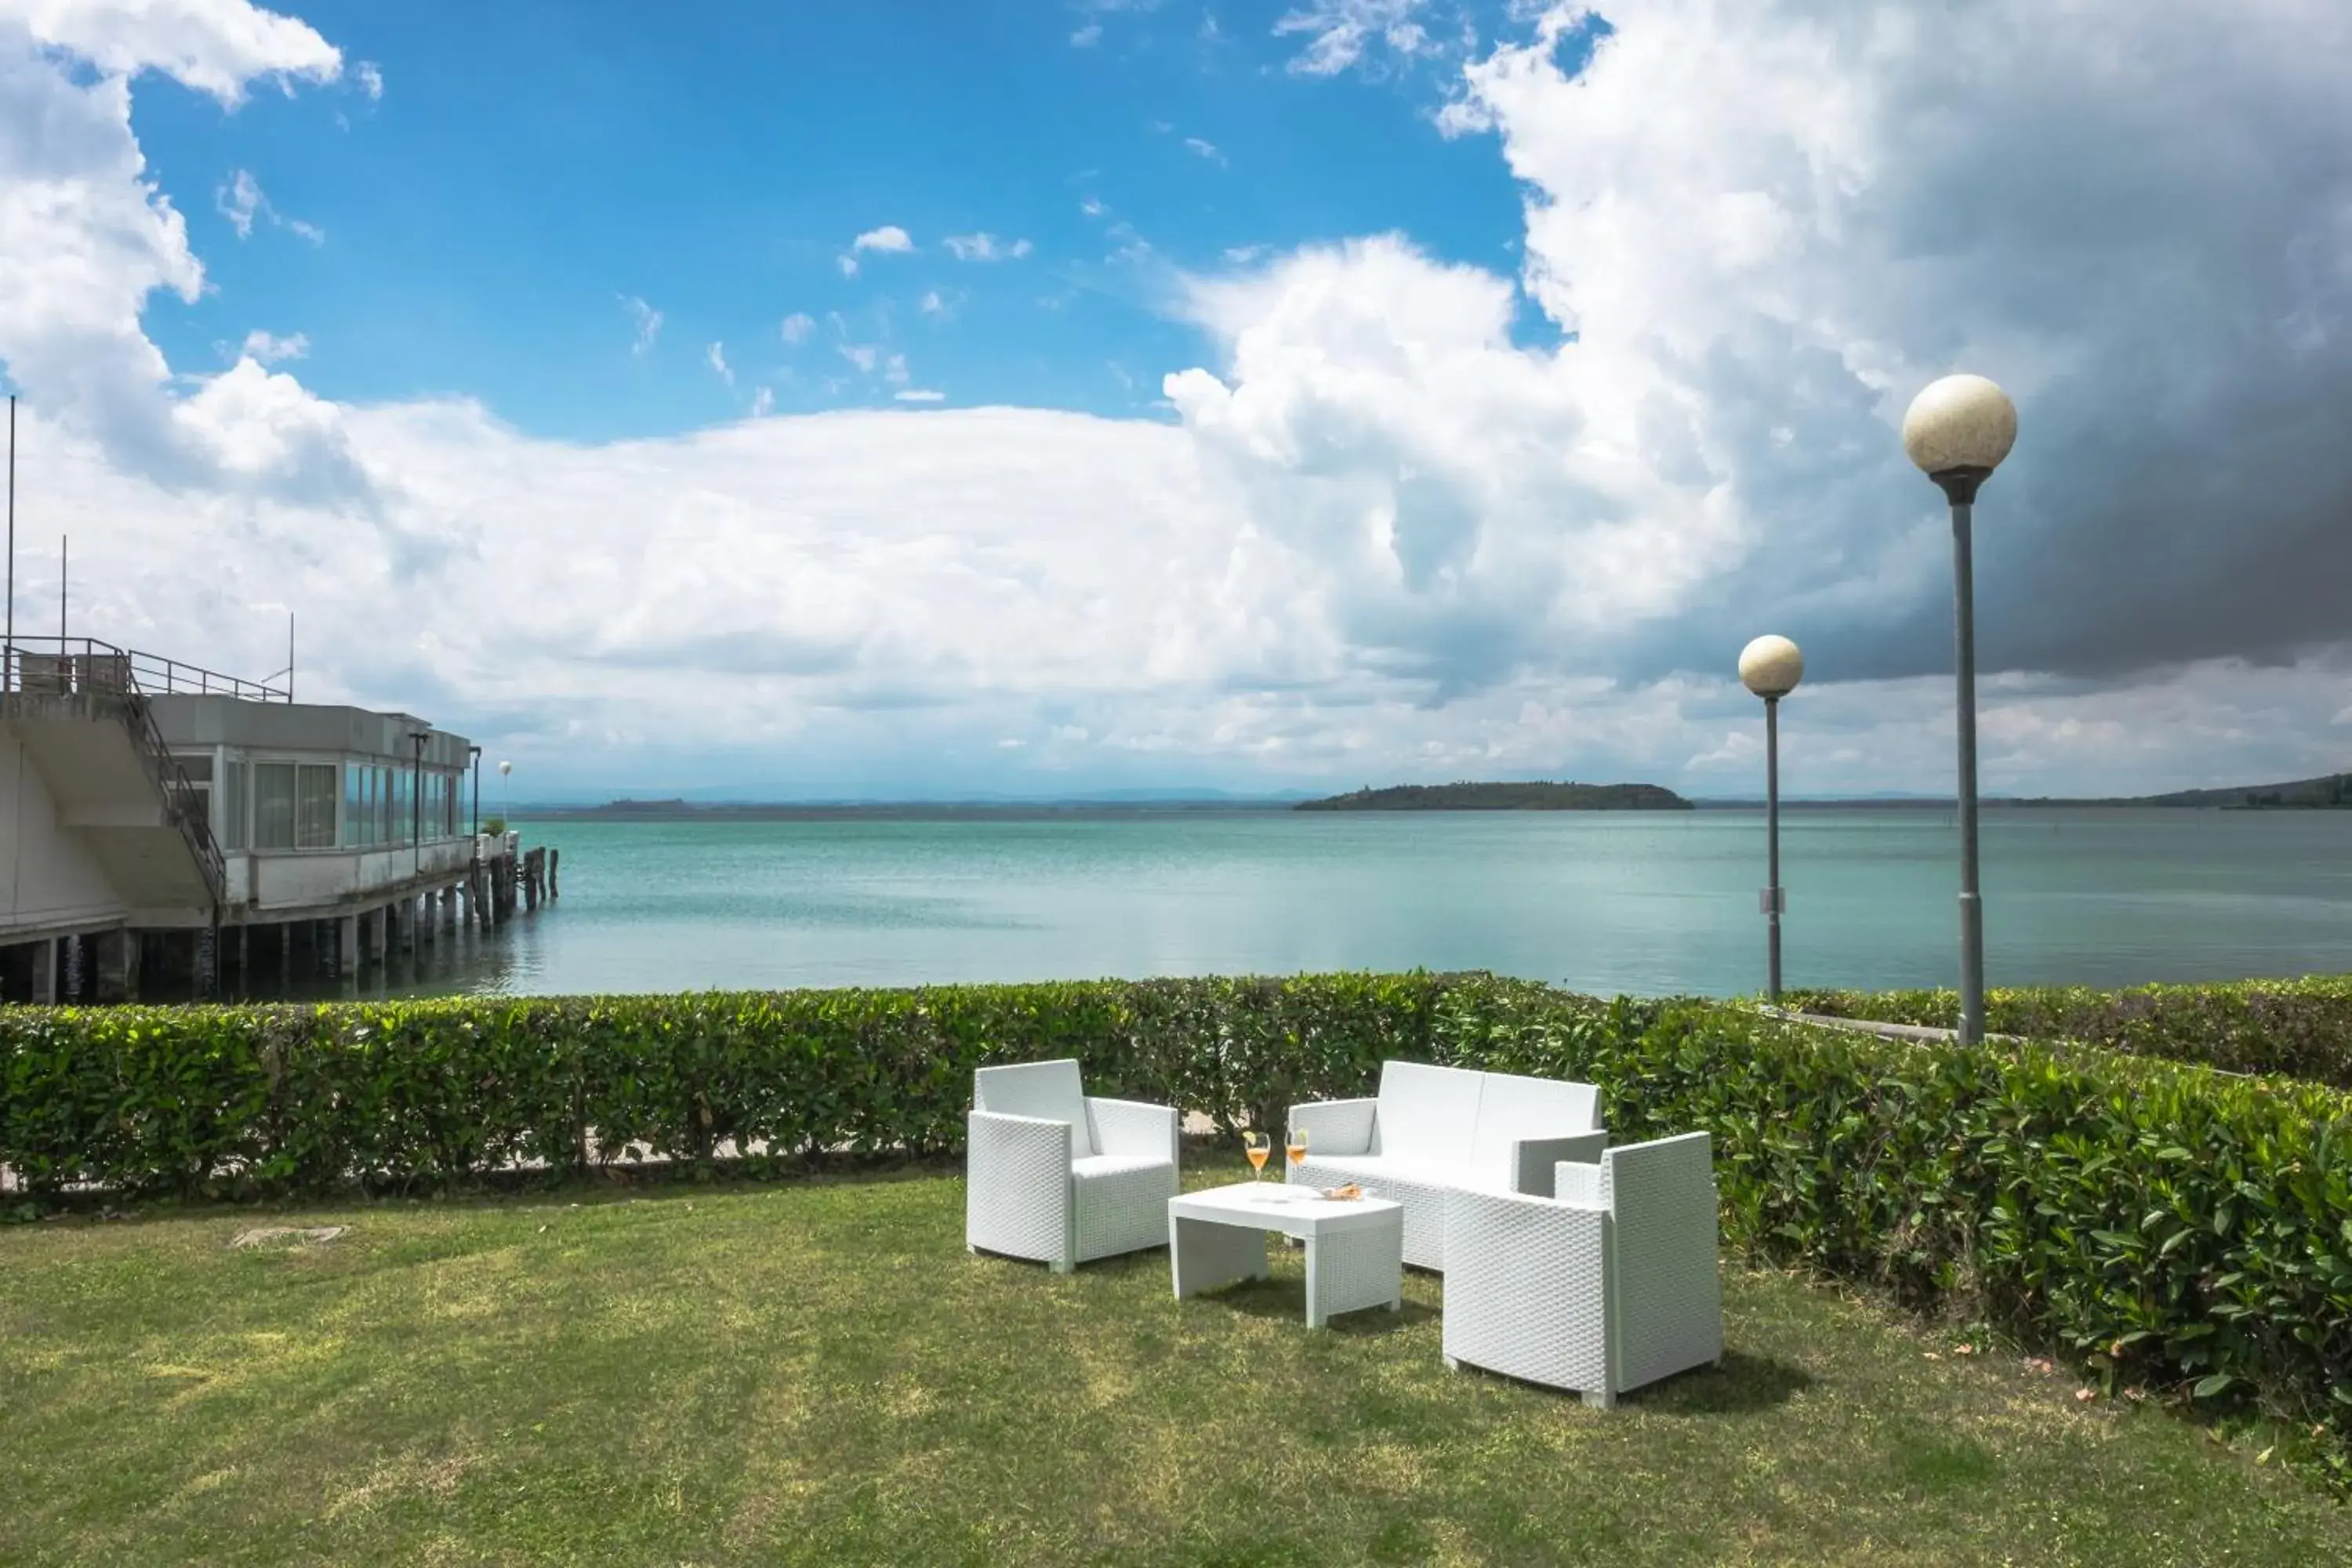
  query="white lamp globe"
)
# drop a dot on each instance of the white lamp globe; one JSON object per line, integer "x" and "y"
{"x": 1770, "y": 667}
{"x": 1959, "y": 424}
{"x": 506, "y": 767}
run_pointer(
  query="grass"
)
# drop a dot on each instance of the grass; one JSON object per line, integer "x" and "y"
{"x": 818, "y": 1372}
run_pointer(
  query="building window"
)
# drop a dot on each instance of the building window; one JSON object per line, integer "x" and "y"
{"x": 355, "y": 816}
{"x": 314, "y": 812}
{"x": 382, "y": 805}
{"x": 232, "y": 806}
{"x": 273, "y": 806}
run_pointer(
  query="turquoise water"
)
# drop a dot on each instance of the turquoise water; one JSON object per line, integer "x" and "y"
{"x": 1643, "y": 902}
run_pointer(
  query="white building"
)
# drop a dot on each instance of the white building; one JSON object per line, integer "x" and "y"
{"x": 176, "y": 821}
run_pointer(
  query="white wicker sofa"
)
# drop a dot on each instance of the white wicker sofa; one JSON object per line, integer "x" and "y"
{"x": 1610, "y": 1285}
{"x": 1058, "y": 1175}
{"x": 1434, "y": 1130}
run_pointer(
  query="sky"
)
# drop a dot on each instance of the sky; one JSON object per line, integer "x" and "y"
{"x": 900, "y": 400}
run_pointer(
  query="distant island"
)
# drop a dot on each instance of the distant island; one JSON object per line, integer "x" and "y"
{"x": 1504, "y": 797}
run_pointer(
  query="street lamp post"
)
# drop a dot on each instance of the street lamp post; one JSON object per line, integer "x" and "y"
{"x": 1770, "y": 667}
{"x": 505, "y": 800}
{"x": 1957, "y": 431}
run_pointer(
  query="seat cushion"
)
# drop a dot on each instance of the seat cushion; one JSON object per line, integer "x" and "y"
{"x": 1370, "y": 1168}
{"x": 1092, "y": 1167}
{"x": 1048, "y": 1090}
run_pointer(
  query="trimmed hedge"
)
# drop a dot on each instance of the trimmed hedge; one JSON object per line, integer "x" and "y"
{"x": 300, "y": 1099}
{"x": 2182, "y": 1230}
{"x": 2301, "y": 1028}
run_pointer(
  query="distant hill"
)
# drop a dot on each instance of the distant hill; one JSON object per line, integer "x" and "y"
{"x": 2333, "y": 790}
{"x": 1469, "y": 797}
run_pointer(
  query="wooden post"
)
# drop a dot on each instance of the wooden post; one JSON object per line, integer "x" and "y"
{"x": 553, "y": 856}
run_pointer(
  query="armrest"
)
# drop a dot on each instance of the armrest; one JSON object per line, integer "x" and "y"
{"x": 1533, "y": 1159}
{"x": 1336, "y": 1126}
{"x": 1017, "y": 1197}
{"x": 1133, "y": 1128}
{"x": 1577, "y": 1183}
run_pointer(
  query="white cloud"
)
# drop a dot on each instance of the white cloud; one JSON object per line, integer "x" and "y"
{"x": 369, "y": 77}
{"x": 715, "y": 356}
{"x": 1088, "y": 36}
{"x": 1204, "y": 149}
{"x": 215, "y": 47}
{"x": 1338, "y": 33}
{"x": 267, "y": 348}
{"x": 797, "y": 327}
{"x": 1385, "y": 537}
{"x": 763, "y": 402}
{"x": 1092, "y": 208}
{"x": 932, "y": 304}
{"x": 985, "y": 248}
{"x": 847, "y": 263}
{"x": 241, "y": 201}
{"x": 888, "y": 238}
{"x": 648, "y": 321}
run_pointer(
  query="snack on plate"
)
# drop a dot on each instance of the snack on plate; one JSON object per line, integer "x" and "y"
{"x": 1352, "y": 1190}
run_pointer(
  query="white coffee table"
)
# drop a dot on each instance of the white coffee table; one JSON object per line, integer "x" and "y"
{"x": 1355, "y": 1249}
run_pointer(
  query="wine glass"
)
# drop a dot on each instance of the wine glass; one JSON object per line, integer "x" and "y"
{"x": 1258, "y": 1147}
{"x": 1295, "y": 1147}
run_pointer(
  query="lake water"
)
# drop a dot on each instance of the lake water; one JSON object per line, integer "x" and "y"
{"x": 1643, "y": 902}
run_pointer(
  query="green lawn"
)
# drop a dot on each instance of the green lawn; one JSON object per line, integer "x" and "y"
{"x": 817, "y": 1371}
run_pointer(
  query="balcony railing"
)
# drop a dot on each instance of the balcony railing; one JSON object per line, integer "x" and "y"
{"x": 61, "y": 667}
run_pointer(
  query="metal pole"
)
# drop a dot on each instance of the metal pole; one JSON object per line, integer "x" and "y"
{"x": 64, "y": 561}
{"x": 1971, "y": 905}
{"x": 1773, "y": 894}
{"x": 478, "y": 790}
{"x": 9, "y": 647}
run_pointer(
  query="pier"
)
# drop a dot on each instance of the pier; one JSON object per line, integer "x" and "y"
{"x": 162, "y": 826}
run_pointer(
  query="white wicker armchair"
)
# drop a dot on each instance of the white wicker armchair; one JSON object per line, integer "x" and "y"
{"x": 1056, "y": 1175}
{"x": 1609, "y": 1284}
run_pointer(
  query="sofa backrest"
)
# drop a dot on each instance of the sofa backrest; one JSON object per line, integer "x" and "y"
{"x": 1511, "y": 1108}
{"x": 1050, "y": 1090}
{"x": 1426, "y": 1113}
{"x": 1455, "y": 1116}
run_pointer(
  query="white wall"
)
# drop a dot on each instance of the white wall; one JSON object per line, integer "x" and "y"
{"x": 48, "y": 877}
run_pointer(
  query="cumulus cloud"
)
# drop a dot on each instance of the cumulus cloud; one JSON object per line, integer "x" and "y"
{"x": 86, "y": 236}
{"x": 1390, "y": 531}
{"x": 985, "y": 248}
{"x": 888, "y": 238}
{"x": 715, "y": 356}
{"x": 267, "y": 348}
{"x": 371, "y": 78}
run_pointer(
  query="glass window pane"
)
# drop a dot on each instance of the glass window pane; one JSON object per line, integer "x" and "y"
{"x": 273, "y": 806}
{"x": 315, "y": 810}
{"x": 231, "y": 812}
{"x": 354, "y": 797}
{"x": 198, "y": 766}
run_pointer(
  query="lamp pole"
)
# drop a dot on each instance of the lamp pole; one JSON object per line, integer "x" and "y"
{"x": 506, "y": 800}
{"x": 1957, "y": 431}
{"x": 1770, "y": 667}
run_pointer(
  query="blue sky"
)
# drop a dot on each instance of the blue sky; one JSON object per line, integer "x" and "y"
{"x": 1343, "y": 392}
{"x": 527, "y": 171}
